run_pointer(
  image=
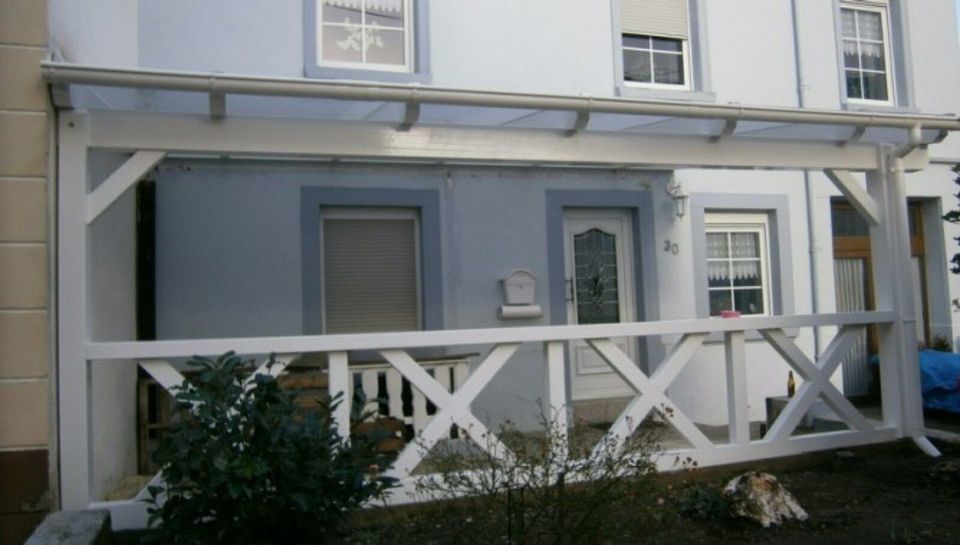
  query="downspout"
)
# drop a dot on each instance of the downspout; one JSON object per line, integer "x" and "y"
{"x": 813, "y": 249}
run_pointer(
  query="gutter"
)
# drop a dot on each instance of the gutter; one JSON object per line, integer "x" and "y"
{"x": 218, "y": 85}
{"x": 813, "y": 248}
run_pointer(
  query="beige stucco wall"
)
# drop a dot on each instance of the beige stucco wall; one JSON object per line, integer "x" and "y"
{"x": 25, "y": 428}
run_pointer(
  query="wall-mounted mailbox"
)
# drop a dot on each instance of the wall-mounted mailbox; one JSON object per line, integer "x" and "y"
{"x": 519, "y": 291}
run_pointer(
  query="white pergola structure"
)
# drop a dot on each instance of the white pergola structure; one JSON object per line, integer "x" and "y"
{"x": 399, "y": 124}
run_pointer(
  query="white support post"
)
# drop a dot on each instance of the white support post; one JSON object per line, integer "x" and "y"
{"x": 557, "y": 417}
{"x": 74, "y": 381}
{"x": 909, "y": 376}
{"x": 890, "y": 243}
{"x": 738, "y": 411}
{"x": 339, "y": 382}
{"x": 883, "y": 256}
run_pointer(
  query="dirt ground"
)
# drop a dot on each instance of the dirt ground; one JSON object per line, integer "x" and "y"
{"x": 891, "y": 493}
{"x": 883, "y": 494}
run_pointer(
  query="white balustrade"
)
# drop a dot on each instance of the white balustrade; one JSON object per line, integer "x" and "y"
{"x": 451, "y": 387}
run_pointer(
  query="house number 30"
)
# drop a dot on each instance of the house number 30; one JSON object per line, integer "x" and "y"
{"x": 671, "y": 247}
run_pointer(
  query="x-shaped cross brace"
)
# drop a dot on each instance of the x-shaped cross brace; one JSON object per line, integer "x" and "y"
{"x": 652, "y": 391}
{"x": 816, "y": 382}
{"x": 167, "y": 375}
{"x": 454, "y": 409}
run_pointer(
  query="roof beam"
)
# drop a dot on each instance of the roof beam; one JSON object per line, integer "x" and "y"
{"x": 128, "y": 131}
{"x": 858, "y": 197}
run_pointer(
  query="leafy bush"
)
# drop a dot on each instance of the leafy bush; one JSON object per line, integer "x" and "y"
{"x": 556, "y": 488}
{"x": 244, "y": 464}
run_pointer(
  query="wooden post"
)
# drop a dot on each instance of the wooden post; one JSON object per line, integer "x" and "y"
{"x": 340, "y": 383}
{"x": 890, "y": 254}
{"x": 737, "y": 408}
{"x": 73, "y": 380}
{"x": 557, "y": 415}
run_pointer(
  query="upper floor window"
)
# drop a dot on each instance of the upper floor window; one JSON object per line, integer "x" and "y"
{"x": 655, "y": 36}
{"x": 866, "y": 52}
{"x": 373, "y": 34}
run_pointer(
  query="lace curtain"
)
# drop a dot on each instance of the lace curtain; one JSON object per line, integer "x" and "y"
{"x": 723, "y": 246}
{"x": 870, "y": 25}
{"x": 376, "y": 5}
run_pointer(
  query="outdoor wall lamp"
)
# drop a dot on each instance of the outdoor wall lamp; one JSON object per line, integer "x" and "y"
{"x": 679, "y": 196}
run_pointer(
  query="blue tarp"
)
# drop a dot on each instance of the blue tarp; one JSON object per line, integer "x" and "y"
{"x": 940, "y": 380}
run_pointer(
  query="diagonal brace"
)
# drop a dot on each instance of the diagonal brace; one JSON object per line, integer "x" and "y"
{"x": 454, "y": 409}
{"x": 855, "y": 194}
{"x": 652, "y": 390}
{"x": 816, "y": 382}
{"x": 120, "y": 181}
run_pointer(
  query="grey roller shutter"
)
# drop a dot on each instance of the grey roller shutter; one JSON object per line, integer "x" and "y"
{"x": 370, "y": 275}
{"x": 655, "y": 17}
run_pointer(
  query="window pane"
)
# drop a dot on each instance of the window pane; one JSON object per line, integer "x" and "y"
{"x": 385, "y": 46}
{"x": 667, "y": 44}
{"x": 872, "y": 57}
{"x": 720, "y": 300}
{"x": 341, "y": 14}
{"x": 717, "y": 245}
{"x": 636, "y": 66}
{"x": 870, "y": 25}
{"x": 668, "y": 68}
{"x": 854, "y": 85}
{"x": 748, "y": 301}
{"x": 847, "y": 222}
{"x": 718, "y": 274}
{"x": 597, "y": 288}
{"x": 851, "y": 55}
{"x": 848, "y": 22}
{"x": 636, "y": 41}
{"x": 747, "y": 273}
{"x": 342, "y": 44}
{"x": 875, "y": 86}
{"x": 745, "y": 245}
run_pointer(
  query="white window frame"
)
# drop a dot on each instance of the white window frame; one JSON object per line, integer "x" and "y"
{"x": 372, "y": 213}
{"x": 408, "y": 43}
{"x": 684, "y": 55}
{"x": 883, "y": 10}
{"x": 735, "y": 222}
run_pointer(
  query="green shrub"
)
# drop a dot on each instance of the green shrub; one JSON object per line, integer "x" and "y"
{"x": 244, "y": 464}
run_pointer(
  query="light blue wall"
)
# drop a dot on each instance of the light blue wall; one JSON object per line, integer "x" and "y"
{"x": 229, "y": 249}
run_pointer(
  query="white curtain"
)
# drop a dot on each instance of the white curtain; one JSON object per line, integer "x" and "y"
{"x": 741, "y": 245}
{"x": 871, "y": 28}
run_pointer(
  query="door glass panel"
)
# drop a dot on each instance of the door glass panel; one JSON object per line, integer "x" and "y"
{"x": 596, "y": 277}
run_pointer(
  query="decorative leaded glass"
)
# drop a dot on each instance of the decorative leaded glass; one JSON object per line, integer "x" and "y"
{"x": 596, "y": 277}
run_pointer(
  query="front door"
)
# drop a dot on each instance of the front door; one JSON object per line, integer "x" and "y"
{"x": 598, "y": 255}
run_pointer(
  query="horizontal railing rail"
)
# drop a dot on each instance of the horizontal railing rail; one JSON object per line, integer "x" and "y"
{"x": 105, "y": 350}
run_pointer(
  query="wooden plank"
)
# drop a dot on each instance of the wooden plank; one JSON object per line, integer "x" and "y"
{"x": 857, "y": 196}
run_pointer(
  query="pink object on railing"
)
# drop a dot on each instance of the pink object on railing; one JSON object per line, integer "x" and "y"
{"x": 729, "y": 313}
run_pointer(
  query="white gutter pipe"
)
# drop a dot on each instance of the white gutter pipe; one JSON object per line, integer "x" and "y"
{"x": 813, "y": 248}
{"x": 56, "y": 73}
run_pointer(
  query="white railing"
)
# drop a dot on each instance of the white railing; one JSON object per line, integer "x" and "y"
{"x": 449, "y": 373}
{"x": 453, "y": 392}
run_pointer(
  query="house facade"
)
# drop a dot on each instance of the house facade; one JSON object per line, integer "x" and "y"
{"x": 520, "y": 208}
